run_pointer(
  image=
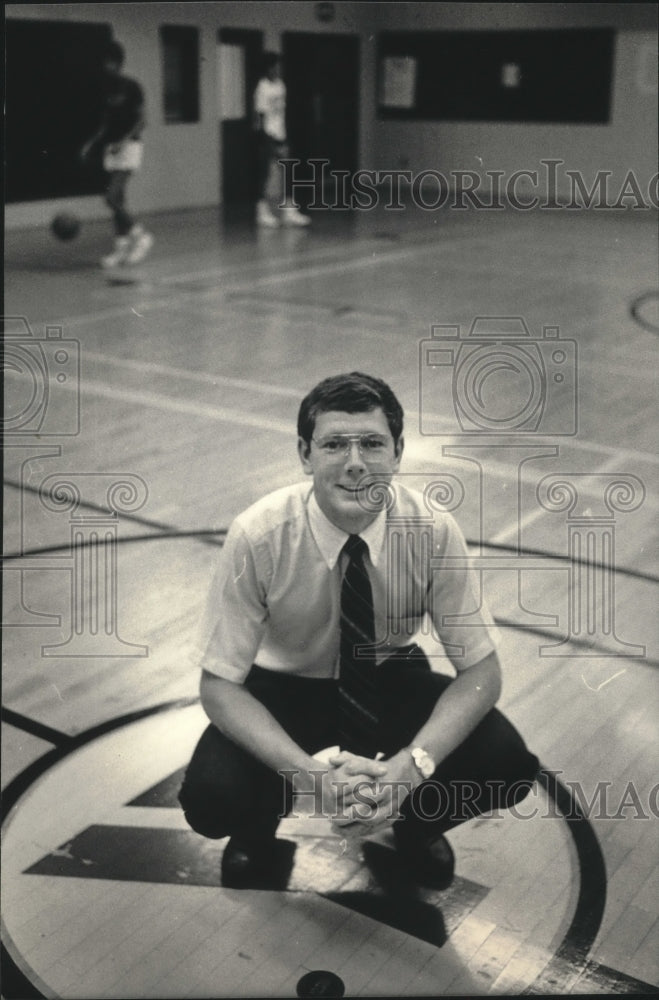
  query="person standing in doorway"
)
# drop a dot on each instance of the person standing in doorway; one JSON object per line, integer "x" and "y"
{"x": 270, "y": 124}
{"x": 120, "y": 133}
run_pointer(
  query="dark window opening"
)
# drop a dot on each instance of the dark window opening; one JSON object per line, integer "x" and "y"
{"x": 53, "y": 105}
{"x": 180, "y": 63}
{"x": 544, "y": 75}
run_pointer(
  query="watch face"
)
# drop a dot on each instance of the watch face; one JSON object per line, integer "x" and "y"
{"x": 424, "y": 763}
{"x": 427, "y": 767}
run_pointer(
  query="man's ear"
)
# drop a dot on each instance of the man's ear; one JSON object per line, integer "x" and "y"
{"x": 304, "y": 451}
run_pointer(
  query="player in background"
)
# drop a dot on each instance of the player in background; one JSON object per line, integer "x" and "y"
{"x": 120, "y": 133}
{"x": 270, "y": 124}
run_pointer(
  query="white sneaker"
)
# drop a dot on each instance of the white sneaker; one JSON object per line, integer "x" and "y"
{"x": 118, "y": 255}
{"x": 142, "y": 243}
{"x": 265, "y": 217}
{"x": 292, "y": 216}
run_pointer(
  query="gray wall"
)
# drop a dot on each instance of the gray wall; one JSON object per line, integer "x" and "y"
{"x": 182, "y": 166}
{"x": 628, "y": 142}
{"x": 182, "y": 162}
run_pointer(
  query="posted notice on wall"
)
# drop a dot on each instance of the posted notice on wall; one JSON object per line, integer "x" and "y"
{"x": 398, "y": 82}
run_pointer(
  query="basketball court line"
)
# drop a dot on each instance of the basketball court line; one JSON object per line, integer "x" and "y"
{"x": 570, "y": 442}
{"x": 312, "y": 271}
{"x": 421, "y": 237}
{"x": 203, "y": 378}
{"x": 161, "y": 402}
{"x": 208, "y": 537}
{"x": 145, "y": 398}
{"x": 206, "y": 378}
{"x": 517, "y": 527}
{"x": 214, "y": 536}
{"x": 593, "y": 648}
{"x": 32, "y": 726}
{"x": 94, "y": 387}
{"x": 569, "y": 957}
{"x": 636, "y": 311}
{"x": 266, "y": 265}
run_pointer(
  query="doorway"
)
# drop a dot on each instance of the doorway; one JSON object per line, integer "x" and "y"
{"x": 238, "y": 68}
{"x": 321, "y": 72}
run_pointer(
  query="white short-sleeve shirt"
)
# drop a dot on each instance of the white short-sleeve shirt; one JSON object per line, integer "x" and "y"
{"x": 275, "y": 596}
{"x": 270, "y": 101}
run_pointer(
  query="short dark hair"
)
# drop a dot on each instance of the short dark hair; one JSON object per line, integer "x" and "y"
{"x": 269, "y": 60}
{"x": 351, "y": 393}
{"x": 114, "y": 52}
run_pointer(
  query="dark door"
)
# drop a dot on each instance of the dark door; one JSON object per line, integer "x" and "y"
{"x": 321, "y": 73}
{"x": 238, "y": 67}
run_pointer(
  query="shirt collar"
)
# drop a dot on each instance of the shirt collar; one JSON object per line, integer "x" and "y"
{"x": 330, "y": 539}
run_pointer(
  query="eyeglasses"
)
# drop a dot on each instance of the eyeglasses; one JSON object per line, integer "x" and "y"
{"x": 337, "y": 446}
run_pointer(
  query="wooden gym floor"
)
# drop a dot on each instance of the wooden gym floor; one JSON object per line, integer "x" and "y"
{"x": 182, "y": 412}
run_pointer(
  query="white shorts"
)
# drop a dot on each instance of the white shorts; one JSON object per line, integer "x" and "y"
{"x": 126, "y": 155}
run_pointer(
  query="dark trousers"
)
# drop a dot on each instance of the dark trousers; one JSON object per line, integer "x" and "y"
{"x": 226, "y": 791}
{"x": 115, "y": 198}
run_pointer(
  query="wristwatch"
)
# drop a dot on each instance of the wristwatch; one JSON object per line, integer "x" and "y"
{"x": 423, "y": 762}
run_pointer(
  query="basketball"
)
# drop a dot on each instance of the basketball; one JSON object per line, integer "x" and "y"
{"x": 65, "y": 226}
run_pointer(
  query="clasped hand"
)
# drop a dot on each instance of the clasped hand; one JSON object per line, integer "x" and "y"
{"x": 367, "y": 794}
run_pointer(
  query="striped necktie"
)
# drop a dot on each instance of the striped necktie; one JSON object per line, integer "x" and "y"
{"x": 358, "y": 719}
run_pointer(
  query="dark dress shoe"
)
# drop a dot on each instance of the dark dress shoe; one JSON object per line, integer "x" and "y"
{"x": 244, "y": 865}
{"x": 431, "y": 862}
